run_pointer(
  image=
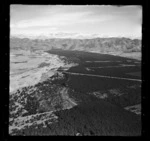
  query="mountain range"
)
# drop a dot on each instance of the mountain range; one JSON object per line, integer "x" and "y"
{"x": 99, "y": 45}
{"x": 64, "y": 35}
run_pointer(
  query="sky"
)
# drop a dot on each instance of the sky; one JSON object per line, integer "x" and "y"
{"x": 111, "y": 21}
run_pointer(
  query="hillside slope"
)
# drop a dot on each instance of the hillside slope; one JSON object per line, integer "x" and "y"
{"x": 103, "y": 45}
{"x": 45, "y": 111}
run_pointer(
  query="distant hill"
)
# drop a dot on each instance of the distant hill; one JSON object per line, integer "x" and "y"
{"x": 101, "y": 45}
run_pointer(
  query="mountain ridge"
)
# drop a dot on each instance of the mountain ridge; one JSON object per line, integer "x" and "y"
{"x": 100, "y": 45}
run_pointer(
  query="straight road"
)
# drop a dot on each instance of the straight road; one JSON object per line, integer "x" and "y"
{"x": 110, "y": 77}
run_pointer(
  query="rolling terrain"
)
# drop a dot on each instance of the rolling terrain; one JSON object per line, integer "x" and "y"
{"x": 88, "y": 93}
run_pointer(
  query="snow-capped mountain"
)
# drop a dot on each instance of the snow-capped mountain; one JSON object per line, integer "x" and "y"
{"x": 55, "y": 35}
{"x": 64, "y": 35}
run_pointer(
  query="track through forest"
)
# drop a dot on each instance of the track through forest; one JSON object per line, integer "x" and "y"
{"x": 111, "y": 77}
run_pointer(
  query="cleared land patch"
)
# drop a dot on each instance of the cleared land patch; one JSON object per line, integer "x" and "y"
{"x": 135, "y": 109}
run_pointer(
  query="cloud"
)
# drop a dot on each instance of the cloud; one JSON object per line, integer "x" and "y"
{"x": 61, "y": 19}
{"x": 84, "y": 19}
{"x": 57, "y": 19}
